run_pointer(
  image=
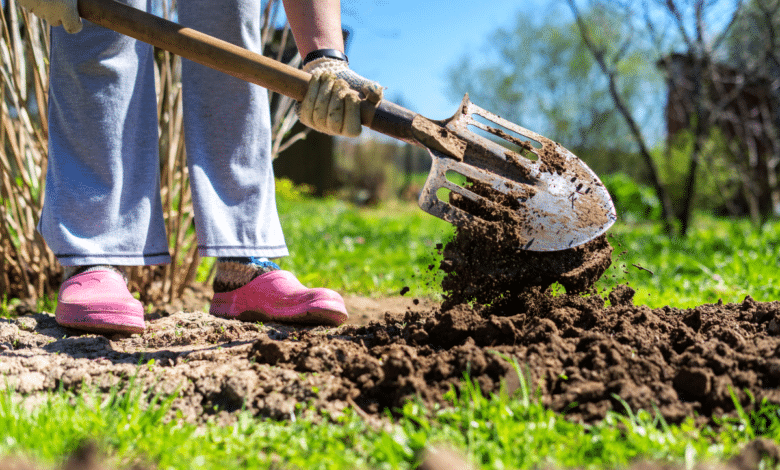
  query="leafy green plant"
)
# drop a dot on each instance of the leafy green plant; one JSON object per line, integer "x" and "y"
{"x": 291, "y": 192}
{"x": 6, "y": 307}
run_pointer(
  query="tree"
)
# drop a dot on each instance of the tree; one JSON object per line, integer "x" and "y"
{"x": 543, "y": 77}
{"x": 547, "y": 77}
{"x": 710, "y": 97}
{"x": 604, "y": 81}
{"x": 753, "y": 47}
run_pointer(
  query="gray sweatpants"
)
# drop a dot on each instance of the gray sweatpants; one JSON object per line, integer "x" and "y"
{"x": 102, "y": 203}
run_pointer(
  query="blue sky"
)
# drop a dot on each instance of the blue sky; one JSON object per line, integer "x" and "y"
{"x": 408, "y": 46}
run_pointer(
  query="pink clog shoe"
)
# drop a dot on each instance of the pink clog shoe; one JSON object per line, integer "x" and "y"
{"x": 99, "y": 302}
{"x": 279, "y": 296}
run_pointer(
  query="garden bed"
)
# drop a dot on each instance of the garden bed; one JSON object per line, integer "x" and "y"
{"x": 580, "y": 356}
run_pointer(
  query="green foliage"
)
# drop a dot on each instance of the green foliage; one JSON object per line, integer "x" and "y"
{"x": 289, "y": 191}
{"x": 7, "y": 306}
{"x": 717, "y": 177}
{"x": 633, "y": 201}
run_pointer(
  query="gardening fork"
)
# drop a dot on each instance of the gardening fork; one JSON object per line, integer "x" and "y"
{"x": 562, "y": 203}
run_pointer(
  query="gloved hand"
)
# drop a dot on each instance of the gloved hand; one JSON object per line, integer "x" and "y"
{"x": 56, "y": 12}
{"x": 332, "y": 102}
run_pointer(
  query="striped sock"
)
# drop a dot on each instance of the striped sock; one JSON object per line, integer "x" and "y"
{"x": 70, "y": 271}
{"x": 234, "y": 273}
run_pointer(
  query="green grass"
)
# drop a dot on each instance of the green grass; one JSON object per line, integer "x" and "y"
{"x": 720, "y": 259}
{"x": 372, "y": 251}
{"x": 502, "y": 431}
{"x": 368, "y": 251}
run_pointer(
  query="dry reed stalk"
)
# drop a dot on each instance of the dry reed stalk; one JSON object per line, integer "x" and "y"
{"x": 28, "y": 269}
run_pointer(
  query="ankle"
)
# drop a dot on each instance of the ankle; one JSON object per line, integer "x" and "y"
{"x": 70, "y": 271}
{"x": 236, "y": 272}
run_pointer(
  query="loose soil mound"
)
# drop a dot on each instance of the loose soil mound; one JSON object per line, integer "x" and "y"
{"x": 579, "y": 355}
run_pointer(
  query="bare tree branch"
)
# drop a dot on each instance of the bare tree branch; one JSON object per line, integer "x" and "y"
{"x": 666, "y": 206}
{"x": 672, "y": 7}
{"x": 718, "y": 41}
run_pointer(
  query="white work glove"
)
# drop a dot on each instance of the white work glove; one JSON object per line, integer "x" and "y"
{"x": 332, "y": 101}
{"x": 56, "y": 12}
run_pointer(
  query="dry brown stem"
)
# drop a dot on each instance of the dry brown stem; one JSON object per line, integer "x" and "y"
{"x": 28, "y": 269}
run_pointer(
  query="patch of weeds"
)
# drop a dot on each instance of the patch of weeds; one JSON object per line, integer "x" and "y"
{"x": 8, "y": 307}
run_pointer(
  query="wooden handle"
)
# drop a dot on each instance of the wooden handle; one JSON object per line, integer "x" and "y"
{"x": 196, "y": 46}
{"x": 387, "y": 118}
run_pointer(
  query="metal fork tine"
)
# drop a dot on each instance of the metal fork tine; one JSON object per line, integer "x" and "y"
{"x": 472, "y": 109}
{"x": 563, "y": 205}
{"x": 437, "y": 178}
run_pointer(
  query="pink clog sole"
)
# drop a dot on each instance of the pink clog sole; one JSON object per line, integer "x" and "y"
{"x": 99, "y": 302}
{"x": 279, "y": 296}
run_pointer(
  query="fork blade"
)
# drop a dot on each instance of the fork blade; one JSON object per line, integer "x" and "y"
{"x": 552, "y": 221}
{"x": 437, "y": 178}
{"x": 564, "y": 203}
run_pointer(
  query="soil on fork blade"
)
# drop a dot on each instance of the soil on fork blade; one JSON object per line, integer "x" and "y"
{"x": 579, "y": 354}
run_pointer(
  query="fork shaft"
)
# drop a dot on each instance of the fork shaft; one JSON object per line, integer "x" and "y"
{"x": 390, "y": 119}
{"x": 385, "y": 117}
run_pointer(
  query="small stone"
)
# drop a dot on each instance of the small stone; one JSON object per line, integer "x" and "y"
{"x": 26, "y": 323}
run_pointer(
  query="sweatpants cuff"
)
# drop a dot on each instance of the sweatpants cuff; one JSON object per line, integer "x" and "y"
{"x": 243, "y": 251}
{"x": 116, "y": 260}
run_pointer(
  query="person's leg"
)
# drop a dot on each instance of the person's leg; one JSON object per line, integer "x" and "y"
{"x": 102, "y": 203}
{"x": 227, "y": 136}
{"x": 228, "y": 140}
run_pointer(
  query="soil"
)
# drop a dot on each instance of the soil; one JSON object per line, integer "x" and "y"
{"x": 578, "y": 355}
{"x": 577, "y": 351}
{"x": 483, "y": 263}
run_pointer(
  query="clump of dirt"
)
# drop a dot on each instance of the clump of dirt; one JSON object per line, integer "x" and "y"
{"x": 485, "y": 262}
{"x": 551, "y": 159}
{"x": 579, "y": 355}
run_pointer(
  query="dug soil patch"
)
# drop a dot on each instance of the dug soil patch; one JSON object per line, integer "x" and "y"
{"x": 579, "y": 356}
